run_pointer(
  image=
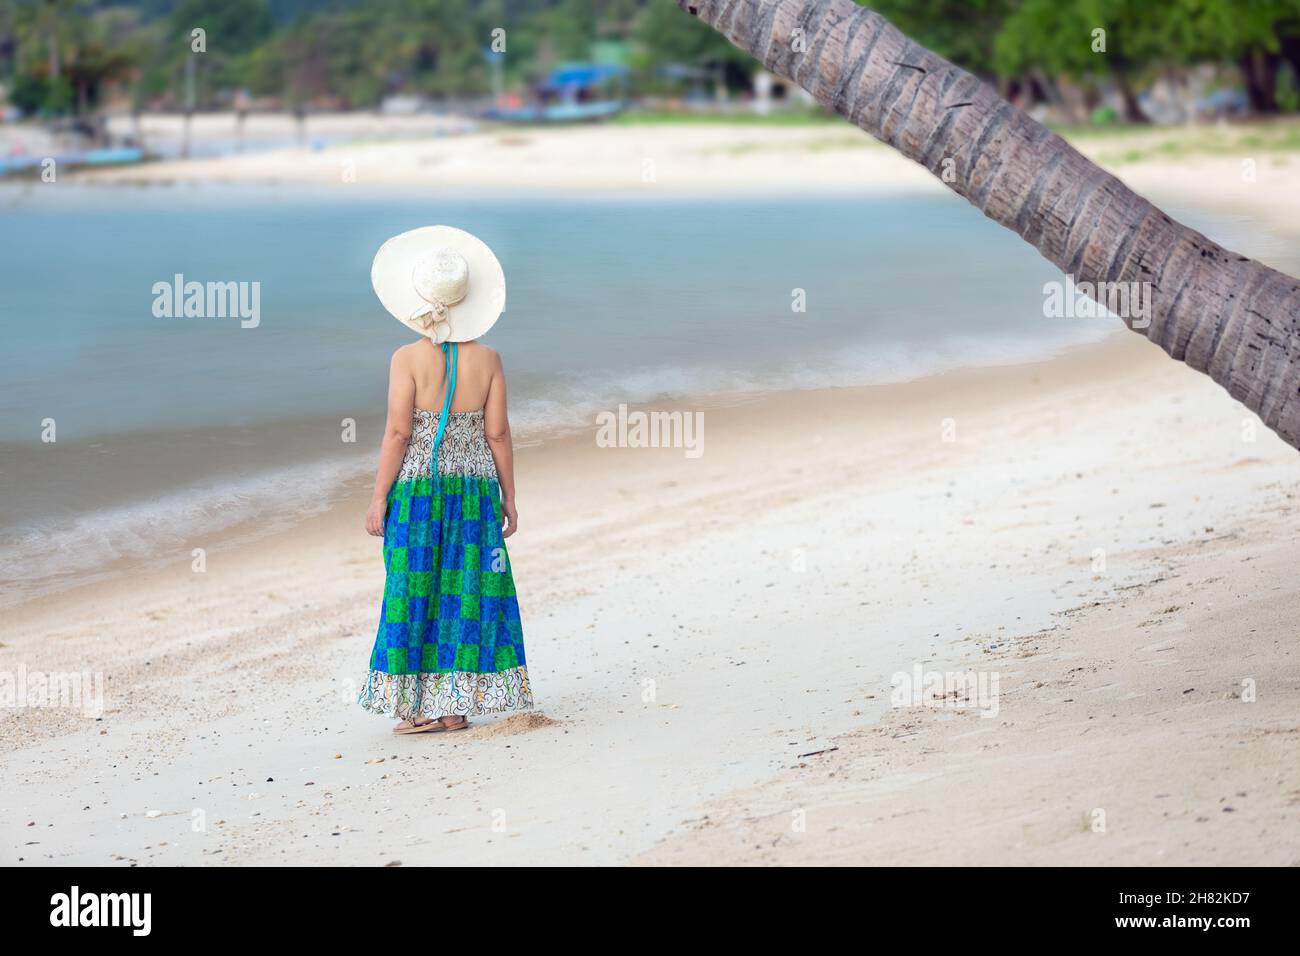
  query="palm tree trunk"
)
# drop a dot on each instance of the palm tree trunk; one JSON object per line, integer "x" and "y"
{"x": 1132, "y": 108}
{"x": 1290, "y": 49}
{"x": 53, "y": 40}
{"x": 1221, "y": 313}
{"x": 1259, "y": 72}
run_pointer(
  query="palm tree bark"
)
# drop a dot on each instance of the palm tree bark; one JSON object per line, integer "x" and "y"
{"x": 1221, "y": 313}
{"x": 1259, "y": 70}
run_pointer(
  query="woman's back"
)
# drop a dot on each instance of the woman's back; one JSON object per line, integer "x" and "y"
{"x": 475, "y": 366}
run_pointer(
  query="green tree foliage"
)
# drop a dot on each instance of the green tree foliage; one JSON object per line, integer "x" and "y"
{"x": 1257, "y": 35}
{"x": 1125, "y": 40}
{"x": 961, "y": 30}
{"x": 66, "y": 53}
{"x": 664, "y": 36}
{"x": 233, "y": 26}
{"x": 61, "y": 55}
{"x": 1142, "y": 38}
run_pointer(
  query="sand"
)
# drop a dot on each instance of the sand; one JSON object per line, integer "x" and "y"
{"x": 695, "y": 625}
{"x": 1158, "y": 728}
{"x": 652, "y": 159}
{"x": 1230, "y": 168}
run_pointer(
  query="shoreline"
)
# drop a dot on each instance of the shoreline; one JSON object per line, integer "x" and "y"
{"x": 333, "y": 469}
{"x": 731, "y": 160}
{"x": 652, "y": 159}
{"x": 658, "y": 593}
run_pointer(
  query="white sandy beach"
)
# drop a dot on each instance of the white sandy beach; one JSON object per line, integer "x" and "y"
{"x": 740, "y": 610}
{"x": 1223, "y": 167}
{"x": 711, "y": 641}
{"x": 649, "y": 159}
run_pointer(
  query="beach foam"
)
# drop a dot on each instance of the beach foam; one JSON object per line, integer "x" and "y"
{"x": 163, "y": 529}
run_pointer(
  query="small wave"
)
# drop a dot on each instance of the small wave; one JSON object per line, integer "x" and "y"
{"x": 76, "y": 549}
{"x": 573, "y": 404}
{"x": 41, "y": 558}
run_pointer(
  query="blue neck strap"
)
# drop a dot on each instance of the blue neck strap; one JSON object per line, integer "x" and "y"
{"x": 449, "y": 365}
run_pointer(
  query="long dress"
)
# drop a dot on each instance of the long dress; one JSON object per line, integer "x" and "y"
{"x": 450, "y": 640}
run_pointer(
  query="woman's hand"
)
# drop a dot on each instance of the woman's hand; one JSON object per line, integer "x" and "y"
{"x": 512, "y": 519}
{"x": 375, "y": 517}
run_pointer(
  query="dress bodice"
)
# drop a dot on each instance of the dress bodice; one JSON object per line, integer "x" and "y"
{"x": 464, "y": 449}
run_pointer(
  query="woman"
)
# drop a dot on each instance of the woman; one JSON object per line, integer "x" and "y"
{"x": 450, "y": 645}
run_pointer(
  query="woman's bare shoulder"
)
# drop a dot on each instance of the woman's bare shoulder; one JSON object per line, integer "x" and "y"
{"x": 401, "y": 359}
{"x": 414, "y": 352}
{"x": 485, "y": 354}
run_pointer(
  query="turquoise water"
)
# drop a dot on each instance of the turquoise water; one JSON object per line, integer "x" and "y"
{"x": 171, "y": 426}
{"x": 607, "y": 300}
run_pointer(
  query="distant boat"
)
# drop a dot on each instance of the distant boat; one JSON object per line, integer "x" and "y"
{"x": 575, "y": 93}
{"x": 558, "y": 112}
{"x": 108, "y": 156}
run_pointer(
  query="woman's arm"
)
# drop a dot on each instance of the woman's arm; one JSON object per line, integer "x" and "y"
{"x": 496, "y": 426}
{"x": 397, "y": 432}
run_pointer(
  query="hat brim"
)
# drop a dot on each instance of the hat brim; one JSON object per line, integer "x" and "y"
{"x": 485, "y": 294}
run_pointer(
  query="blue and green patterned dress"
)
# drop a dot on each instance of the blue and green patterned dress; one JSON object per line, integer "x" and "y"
{"x": 450, "y": 640}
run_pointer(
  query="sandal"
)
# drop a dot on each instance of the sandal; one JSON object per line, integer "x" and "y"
{"x": 414, "y": 728}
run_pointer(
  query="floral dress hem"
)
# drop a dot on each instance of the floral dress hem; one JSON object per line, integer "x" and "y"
{"x": 447, "y": 694}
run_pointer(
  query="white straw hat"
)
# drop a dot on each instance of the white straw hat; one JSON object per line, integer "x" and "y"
{"x": 441, "y": 282}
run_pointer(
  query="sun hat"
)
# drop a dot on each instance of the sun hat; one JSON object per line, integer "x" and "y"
{"x": 441, "y": 282}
